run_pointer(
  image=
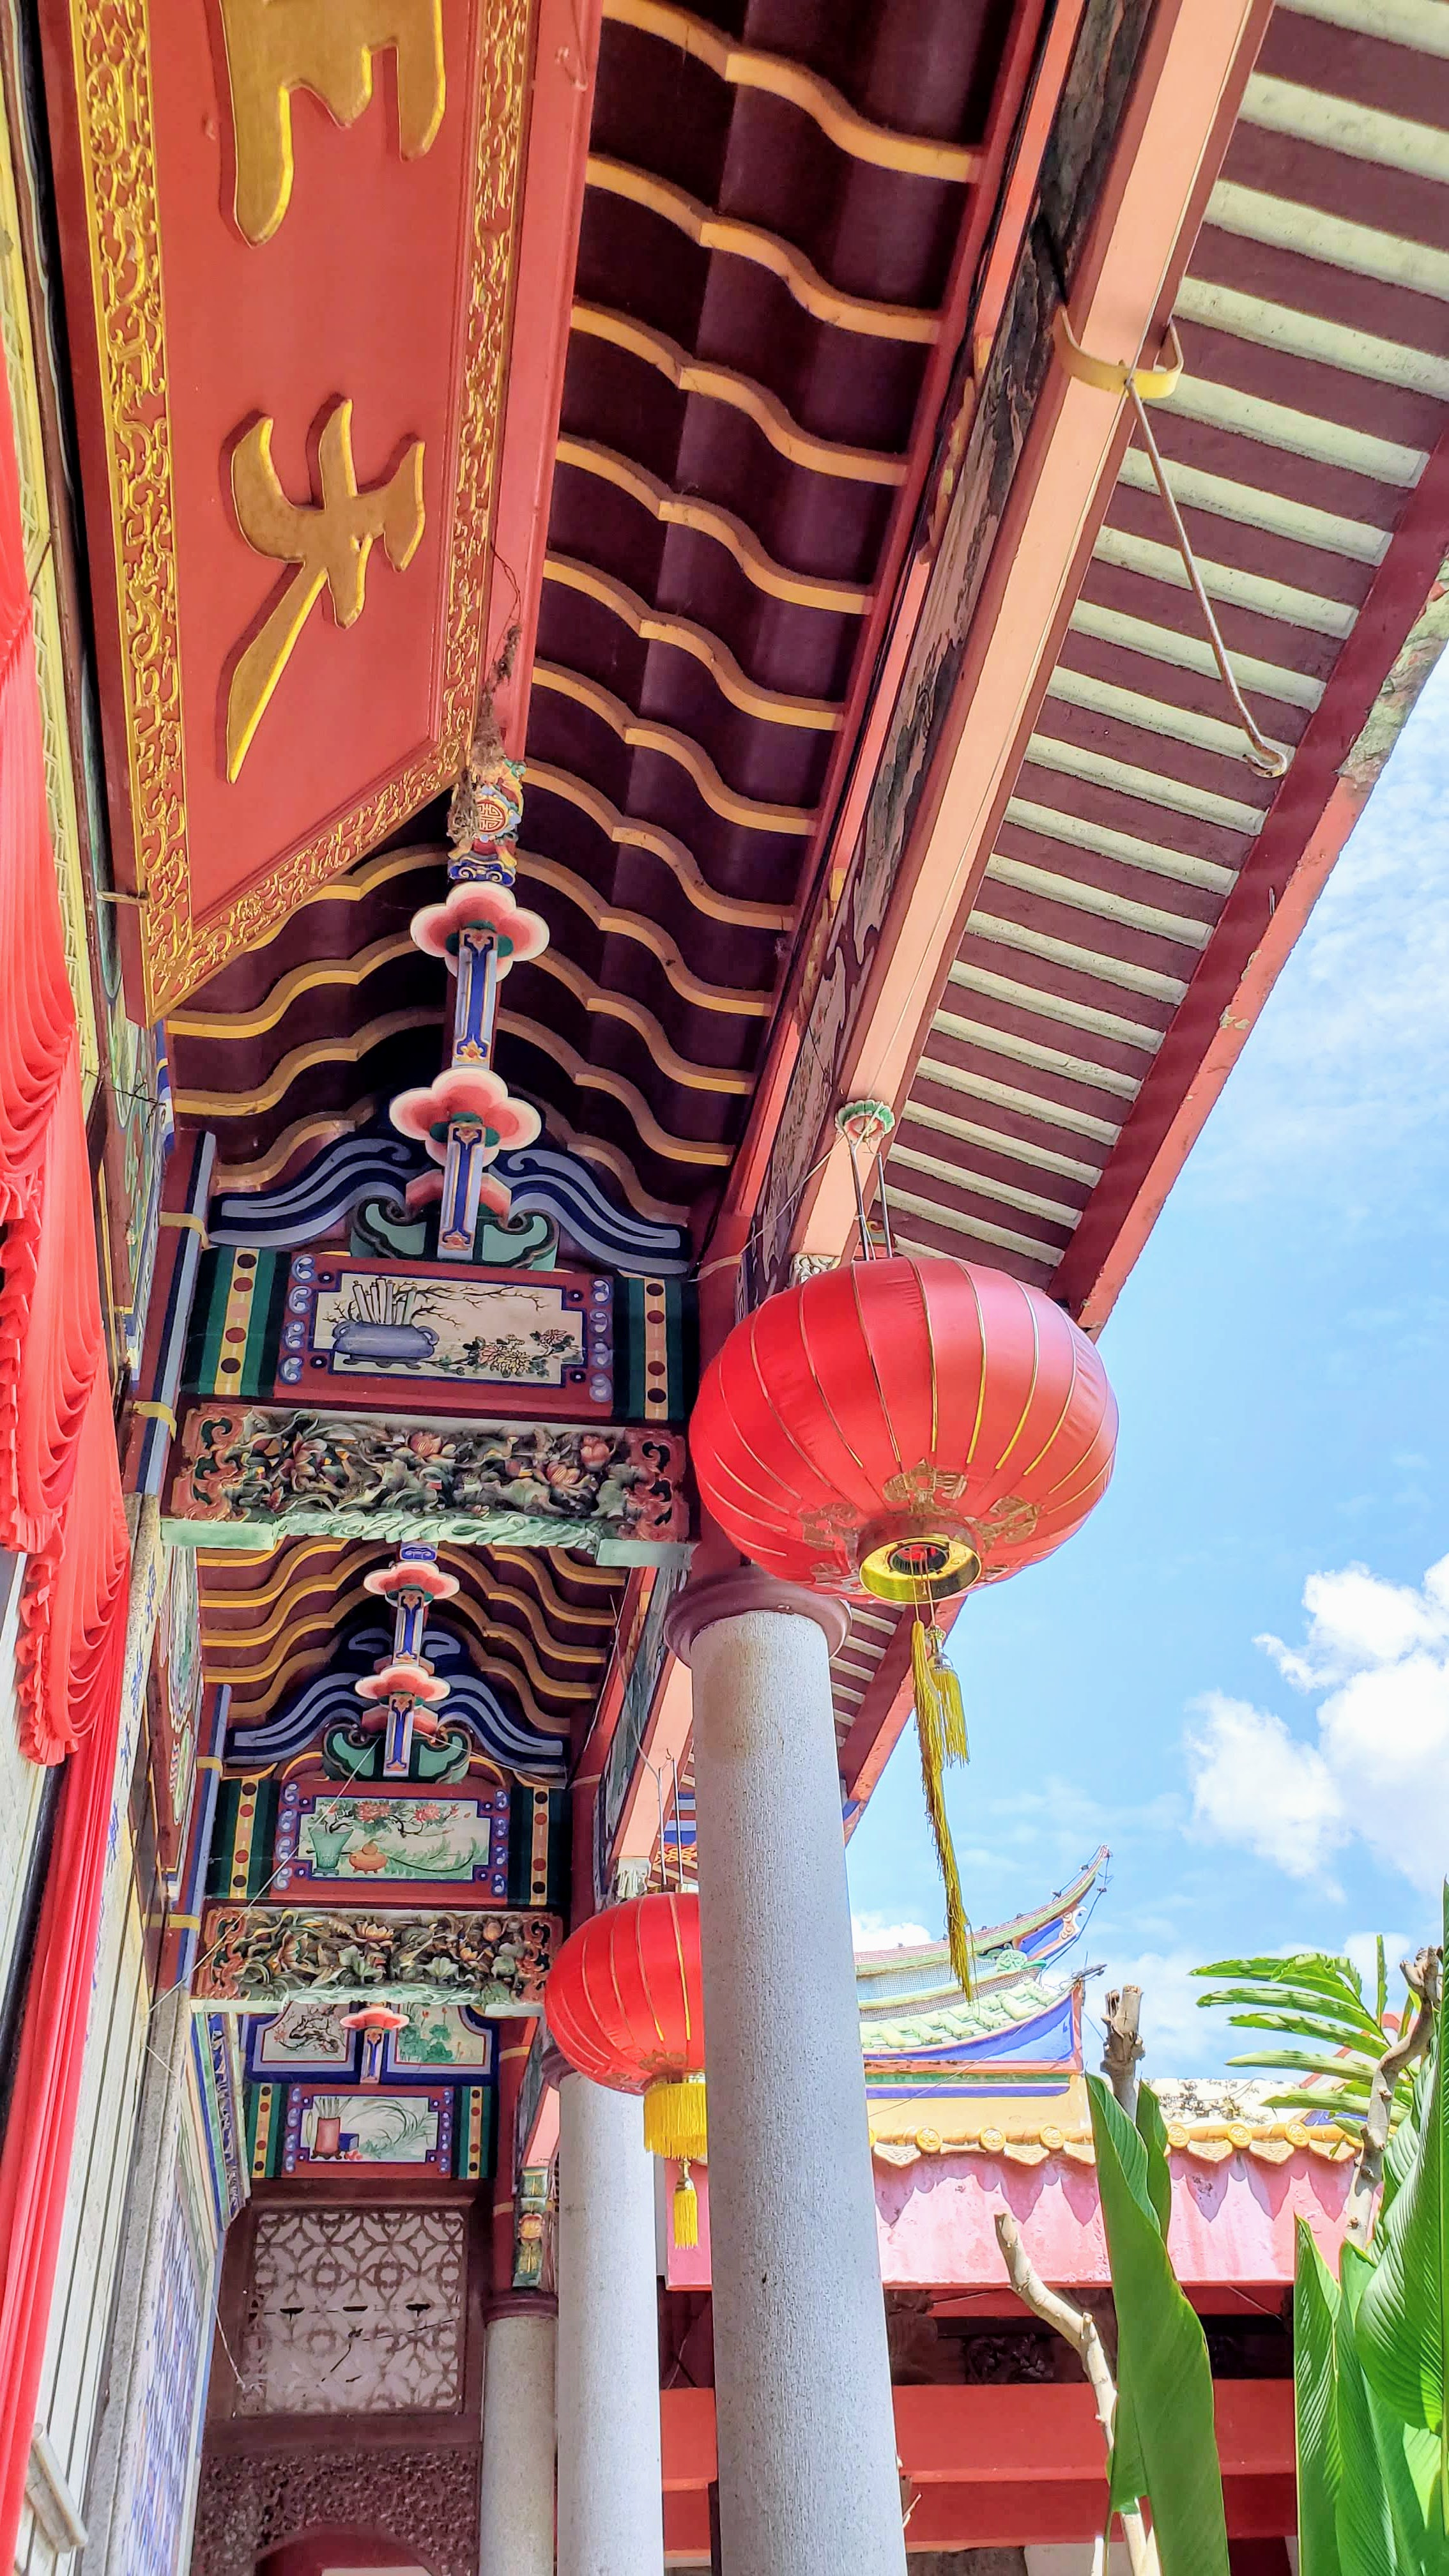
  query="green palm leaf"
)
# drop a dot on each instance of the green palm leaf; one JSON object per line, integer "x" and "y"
{"x": 1388, "y": 2518}
{"x": 1403, "y": 2315}
{"x": 1320, "y": 2464}
{"x": 1166, "y": 2445}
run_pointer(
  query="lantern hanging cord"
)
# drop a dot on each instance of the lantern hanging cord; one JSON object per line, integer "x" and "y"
{"x": 1268, "y": 758}
{"x": 867, "y": 1248}
{"x": 885, "y": 1210}
{"x": 1156, "y": 383}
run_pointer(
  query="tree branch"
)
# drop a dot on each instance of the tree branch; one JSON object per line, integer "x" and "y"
{"x": 1080, "y": 2331}
{"x": 1422, "y": 1976}
{"x": 1123, "y": 2048}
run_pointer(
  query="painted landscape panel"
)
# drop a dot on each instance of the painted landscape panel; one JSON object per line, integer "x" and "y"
{"x": 392, "y": 1849}
{"x": 369, "y": 2129}
{"x": 380, "y": 1326}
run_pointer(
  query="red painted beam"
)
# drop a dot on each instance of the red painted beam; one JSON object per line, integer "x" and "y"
{"x": 1033, "y": 69}
{"x": 560, "y": 102}
{"x": 993, "y": 2467}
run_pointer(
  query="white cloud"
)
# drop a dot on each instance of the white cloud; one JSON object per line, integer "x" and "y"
{"x": 877, "y": 1932}
{"x": 1351, "y": 1057}
{"x": 1180, "y": 2039}
{"x": 1255, "y": 1785}
{"x": 1376, "y": 1656}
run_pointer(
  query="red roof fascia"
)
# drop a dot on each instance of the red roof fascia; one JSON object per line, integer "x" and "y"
{"x": 1303, "y": 836}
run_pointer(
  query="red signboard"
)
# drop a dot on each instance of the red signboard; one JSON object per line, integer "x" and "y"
{"x": 289, "y": 230}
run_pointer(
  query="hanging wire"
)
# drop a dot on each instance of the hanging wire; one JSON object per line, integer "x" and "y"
{"x": 1269, "y": 758}
{"x": 867, "y": 1249}
{"x": 885, "y": 1207}
{"x": 678, "y": 1830}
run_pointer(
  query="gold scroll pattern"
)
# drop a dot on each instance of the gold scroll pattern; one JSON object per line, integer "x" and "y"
{"x": 60, "y": 786}
{"x": 111, "y": 49}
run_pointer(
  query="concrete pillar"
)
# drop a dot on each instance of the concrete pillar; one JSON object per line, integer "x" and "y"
{"x": 807, "y": 2451}
{"x": 610, "y": 2495}
{"x": 515, "y": 2513}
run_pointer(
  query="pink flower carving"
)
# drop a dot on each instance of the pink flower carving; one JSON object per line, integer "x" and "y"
{"x": 473, "y": 1096}
{"x": 401, "y": 1680}
{"x": 430, "y": 1580}
{"x": 520, "y": 935}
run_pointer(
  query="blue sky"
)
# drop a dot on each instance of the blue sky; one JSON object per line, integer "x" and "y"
{"x": 1279, "y": 1360}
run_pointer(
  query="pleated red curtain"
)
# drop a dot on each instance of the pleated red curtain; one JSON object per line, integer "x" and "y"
{"x": 60, "y": 1505}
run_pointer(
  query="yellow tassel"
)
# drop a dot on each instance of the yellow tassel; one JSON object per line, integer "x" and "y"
{"x": 941, "y": 1726}
{"x": 675, "y": 2121}
{"x": 686, "y": 2211}
{"x": 938, "y": 1691}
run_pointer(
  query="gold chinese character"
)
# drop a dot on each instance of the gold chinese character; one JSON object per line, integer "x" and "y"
{"x": 329, "y": 542}
{"x": 326, "y": 46}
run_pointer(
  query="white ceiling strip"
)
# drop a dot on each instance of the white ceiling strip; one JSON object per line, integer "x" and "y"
{"x": 1002, "y": 1095}
{"x": 994, "y": 1140}
{"x": 1280, "y": 223}
{"x": 1298, "y": 433}
{"x": 1068, "y": 1068}
{"x": 1343, "y": 125}
{"x": 1423, "y": 24}
{"x": 1080, "y": 897}
{"x": 1308, "y": 335}
{"x": 1082, "y": 961}
{"x": 1147, "y": 786}
{"x": 1191, "y": 653}
{"x": 1249, "y": 507}
{"x": 1054, "y": 823}
{"x": 1246, "y": 590}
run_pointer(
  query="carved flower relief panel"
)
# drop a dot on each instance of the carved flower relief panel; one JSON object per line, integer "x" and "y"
{"x": 354, "y": 2311}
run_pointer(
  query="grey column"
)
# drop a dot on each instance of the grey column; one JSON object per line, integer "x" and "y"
{"x": 807, "y": 2449}
{"x": 610, "y": 2488}
{"x": 515, "y": 2518}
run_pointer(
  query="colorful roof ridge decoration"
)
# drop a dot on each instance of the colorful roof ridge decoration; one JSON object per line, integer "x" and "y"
{"x": 941, "y": 2063}
{"x": 1035, "y": 1936}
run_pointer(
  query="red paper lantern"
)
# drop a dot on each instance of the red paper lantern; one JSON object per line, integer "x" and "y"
{"x": 625, "y": 2005}
{"x": 909, "y": 1427}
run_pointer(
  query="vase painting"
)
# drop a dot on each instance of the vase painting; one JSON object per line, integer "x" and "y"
{"x": 385, "y": 1325}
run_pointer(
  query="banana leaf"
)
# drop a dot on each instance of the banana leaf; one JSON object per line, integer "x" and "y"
{"x": 1152, "y": 2130}
{"x": 1321, "y": 1971}
{"x": 1166, "y": 2442}
{"x": 1320, "y": 2466}
{"x": 1342, "y": 2069}
{"x": 1402, "y": 2325}
{"x": 1386, "y": 2512}
{"x": 1403, "y": 2144}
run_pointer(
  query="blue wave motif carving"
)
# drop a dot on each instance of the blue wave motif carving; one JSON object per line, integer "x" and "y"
{"x": 501, "y": 1730}
{"x": 543, "y": 1179}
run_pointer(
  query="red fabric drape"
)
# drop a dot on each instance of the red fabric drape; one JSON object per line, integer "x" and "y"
{"x": 35, "y": 2167}
{"x": 60, "y": 1503}
{"x": 37, "y": 1017}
